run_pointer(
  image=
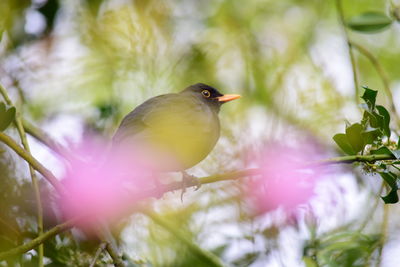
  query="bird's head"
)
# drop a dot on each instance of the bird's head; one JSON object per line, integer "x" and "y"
{"x": 209, "y": 94}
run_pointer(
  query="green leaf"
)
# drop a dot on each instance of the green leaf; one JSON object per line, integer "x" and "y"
{"x": 354, "y": 137}
{"x": 370, "y": 135}
{"x": 391, "y": 179}
{"x": 391, "y": 198}
{"x": 372, "y": 119}
{"x": 382, "y": 151}
{"x": 369, "y": 97}
{"x": 6, "y": 116}
{"x": 386, "y": 119}
{"x": 369, "y": 22}
{"x": 343, "y": 143}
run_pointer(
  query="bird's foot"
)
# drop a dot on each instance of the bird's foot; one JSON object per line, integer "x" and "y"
{"x": 187, "y": 181}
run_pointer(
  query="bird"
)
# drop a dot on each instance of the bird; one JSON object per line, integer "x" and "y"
{"x": 174, "y": 131}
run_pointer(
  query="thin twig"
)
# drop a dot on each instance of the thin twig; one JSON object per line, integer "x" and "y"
{"x": 382, "y": 74}
{"x": 111, "y": 246}
{"x": 45, "y": 139}
{"x": 114, "y": 255}
{"x": 47, "y": 174}
{"x": 354, "y": 158}
{"x": 202, "y": 254}
{"x": 100, "y": 249}
{"x": 340, "y": 11}
{"x": 37, "y": 241}
{"x": 367, "y": 218}
{"x": 384, "y": 229}
{"x": 35, "y": 183}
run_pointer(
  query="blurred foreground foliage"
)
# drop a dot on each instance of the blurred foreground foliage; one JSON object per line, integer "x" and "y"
{"x": 74, "y": 67}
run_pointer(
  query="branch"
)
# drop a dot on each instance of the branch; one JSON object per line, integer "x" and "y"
{"x": 384, "y": 231}
{"x": 45, "y": 139}
{"x": 106, "y": 236}
{"x": 340, "y": 11}
{"x": 35, "y": 184}
{"x": 100, "y": 249}
{"x": 354, "y": 158}
{"x": 381, "y": 72}
{"x": 234, "y": 175}
{"x": 38, "y": 240}
{"x": 47, "y": 174}
{"x": 114, "y": 255}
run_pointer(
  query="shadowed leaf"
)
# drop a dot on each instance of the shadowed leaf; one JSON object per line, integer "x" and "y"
{"x": 391, "y": 179}
{"x": 369, "y": 22}
{"x": 343, "y": 143}
{"x": 353, "y": 135}
{"x": 6, "y": 116}
{"x": 382, "y": 151}
{"x": 369, "y": 97}
{"x": 386, "y": 119}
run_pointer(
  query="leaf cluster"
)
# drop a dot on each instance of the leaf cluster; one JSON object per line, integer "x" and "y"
{"x": 371, "y": 136}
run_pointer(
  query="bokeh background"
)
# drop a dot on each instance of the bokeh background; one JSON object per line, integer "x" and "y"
{"x": 75, "y": 68}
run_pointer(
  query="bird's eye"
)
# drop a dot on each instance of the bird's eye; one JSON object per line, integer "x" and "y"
{"x": 206, "y": 93}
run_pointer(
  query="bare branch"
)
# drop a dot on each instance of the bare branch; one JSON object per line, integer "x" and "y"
{"x": 38, "y": 240}
{"x": 47, "y": 174}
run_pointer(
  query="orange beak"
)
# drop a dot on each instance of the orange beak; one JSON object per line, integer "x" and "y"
{"x": 226, "y": 98}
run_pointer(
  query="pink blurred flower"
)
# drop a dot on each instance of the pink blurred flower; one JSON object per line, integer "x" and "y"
{"x": 285, "y": 180}
{"x": 102, "y": 186}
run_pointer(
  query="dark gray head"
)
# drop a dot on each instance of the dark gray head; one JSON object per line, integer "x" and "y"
{"x": 209, "y": 94}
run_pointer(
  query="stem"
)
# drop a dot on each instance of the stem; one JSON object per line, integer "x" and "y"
{"x": 38, "y": 240}
{"x": 203, "y": 255}
{"x": 339, "y": 8}
{"x": 384, "y": 229}
{"x": 100, "y": 249}
{"x": 47, "y": 174}
{"x": 372, "y": 210}
{"x": 106, "y": 236}
{"x": 177, "y": 185}
{"x": 211, "y": 179}
{"x": 114, "y": 255}
{"x": 354, "y": 158}
{"x": 382, "y": 74}
{"x": 45, "y": 139}
{"x": 35, "y": 183}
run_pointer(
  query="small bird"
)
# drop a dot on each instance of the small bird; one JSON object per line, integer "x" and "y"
{"x": 176, "y": 130}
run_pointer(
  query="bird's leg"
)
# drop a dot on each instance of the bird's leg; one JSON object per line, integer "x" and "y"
{"x": 189, "y": 180}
